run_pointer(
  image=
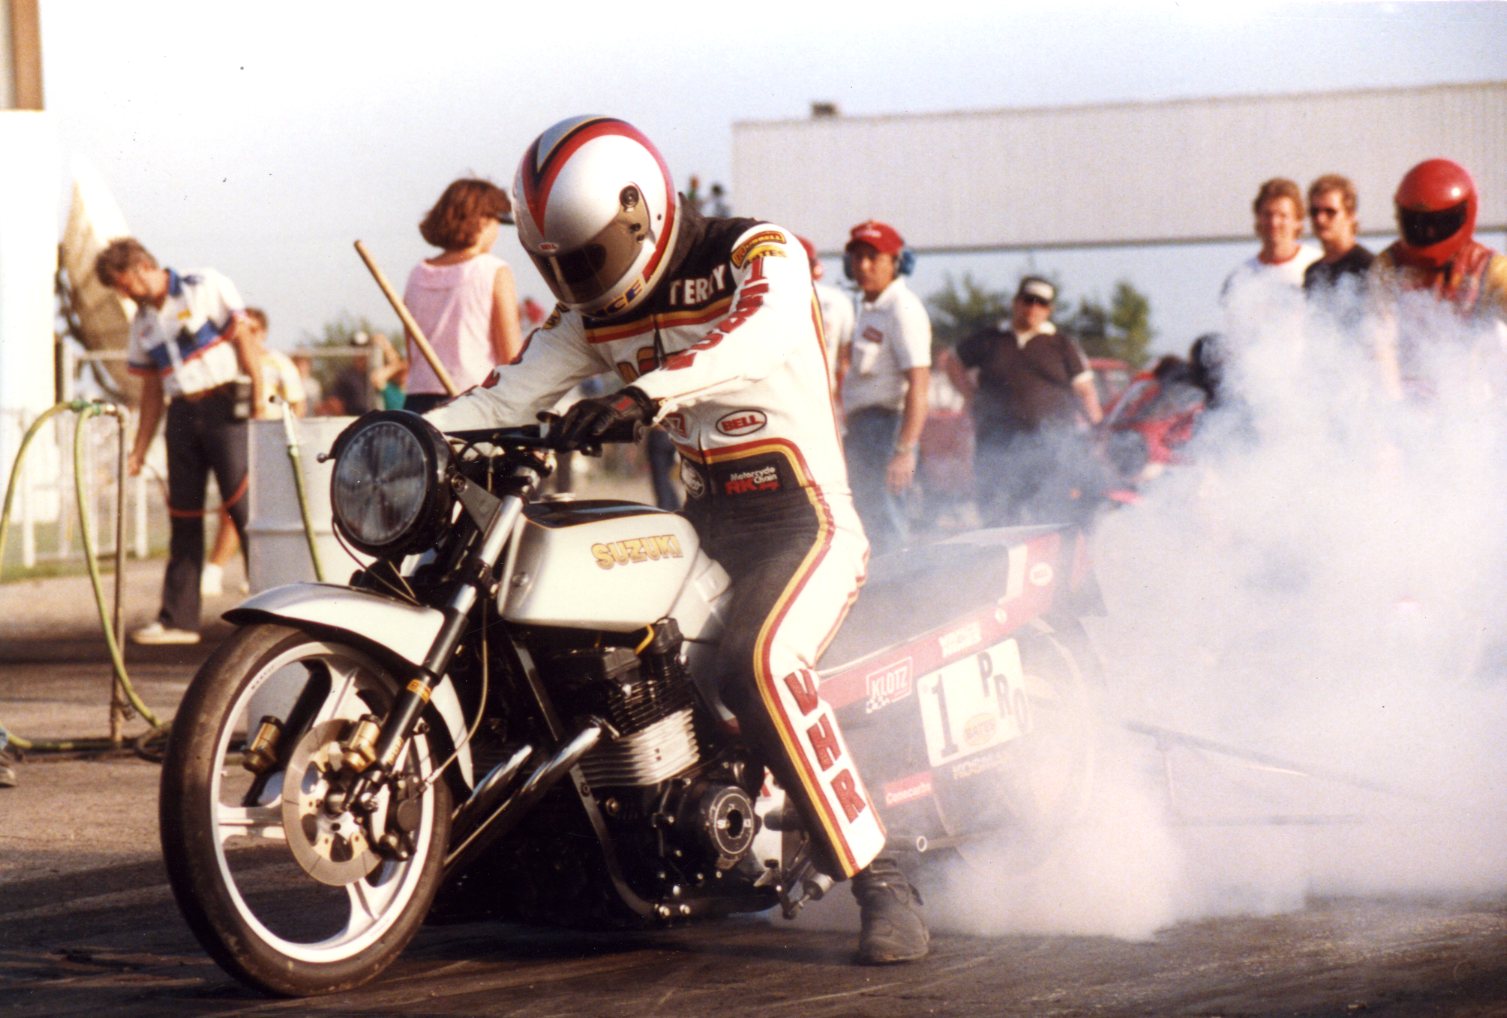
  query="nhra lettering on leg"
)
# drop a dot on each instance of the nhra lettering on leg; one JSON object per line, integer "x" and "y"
{"x": 888, "y": 685}
{"x": 636, "y": 549}
{"x": 745, "y": 482}
{"x": 821, "y": 737}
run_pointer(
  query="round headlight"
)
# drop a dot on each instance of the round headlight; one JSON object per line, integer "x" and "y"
{"x": 388, "y": 491}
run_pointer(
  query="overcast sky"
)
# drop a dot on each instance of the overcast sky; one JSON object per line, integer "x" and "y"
{"x": 263, "y": 138}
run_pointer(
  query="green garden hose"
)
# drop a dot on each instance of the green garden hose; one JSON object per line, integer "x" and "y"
{"x": 85, "y": 409}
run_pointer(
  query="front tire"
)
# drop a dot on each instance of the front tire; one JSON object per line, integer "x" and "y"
{"x": 283, "y": 895}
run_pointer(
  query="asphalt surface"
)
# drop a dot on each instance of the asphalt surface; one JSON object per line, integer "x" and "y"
{"x": 88, "y": 922}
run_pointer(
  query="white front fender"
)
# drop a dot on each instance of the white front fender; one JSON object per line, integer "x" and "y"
{"x": 405, "y": 630}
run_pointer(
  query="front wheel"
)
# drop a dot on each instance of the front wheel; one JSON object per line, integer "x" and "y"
{"x": 286, "y": 892}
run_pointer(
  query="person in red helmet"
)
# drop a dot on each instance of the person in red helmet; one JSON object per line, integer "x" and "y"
{"x": 1436, "y": 253}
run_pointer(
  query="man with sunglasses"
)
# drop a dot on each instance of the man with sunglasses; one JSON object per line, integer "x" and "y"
{"x": 1331, "y": 208}
{"x": 1033, "y": 396}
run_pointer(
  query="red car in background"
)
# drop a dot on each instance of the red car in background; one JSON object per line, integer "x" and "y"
{"x": 1148, "y": 423}
{"x": 1111, "y": 376}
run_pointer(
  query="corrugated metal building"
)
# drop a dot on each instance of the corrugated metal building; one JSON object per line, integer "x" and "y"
{"x": 1182, "y": 171}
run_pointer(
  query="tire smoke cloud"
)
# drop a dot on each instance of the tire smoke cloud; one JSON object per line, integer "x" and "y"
{"x": 1312, "y": 615}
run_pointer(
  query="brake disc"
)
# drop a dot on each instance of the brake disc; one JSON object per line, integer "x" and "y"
{"x": 333, "y": 849}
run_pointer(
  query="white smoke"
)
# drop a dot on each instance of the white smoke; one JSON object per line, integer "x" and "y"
{"x": 1323, "y": 586}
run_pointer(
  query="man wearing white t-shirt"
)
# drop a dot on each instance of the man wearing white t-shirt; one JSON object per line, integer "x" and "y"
{"x": 1274, "y": 275}
{"x": 886, "y": 372}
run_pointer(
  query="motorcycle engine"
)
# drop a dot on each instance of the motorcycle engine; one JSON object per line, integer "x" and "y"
{"x": 646, "y": 696}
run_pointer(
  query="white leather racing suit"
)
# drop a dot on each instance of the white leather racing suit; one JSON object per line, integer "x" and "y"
{"x": 730, "y": 344}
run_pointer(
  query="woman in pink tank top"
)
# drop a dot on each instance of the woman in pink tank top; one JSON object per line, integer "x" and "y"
{"x": 463, "y": 298}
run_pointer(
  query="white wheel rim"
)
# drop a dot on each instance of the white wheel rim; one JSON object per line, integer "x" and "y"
{"x": 374, "y": 903}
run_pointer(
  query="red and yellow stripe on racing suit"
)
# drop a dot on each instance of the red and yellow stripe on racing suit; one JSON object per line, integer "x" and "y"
{"x": 730, "y": 343}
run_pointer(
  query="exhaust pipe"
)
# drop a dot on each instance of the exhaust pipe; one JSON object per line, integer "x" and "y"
{"x": 502, "y": 819}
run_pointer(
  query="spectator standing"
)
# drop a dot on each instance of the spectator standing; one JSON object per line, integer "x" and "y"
{"x": 837, "y": 313}
{"x": 1436, "y": 254}
{"x": 390, "y": 377}
{"x": 188, "y": 344}
{"x": 885, "y": 379}
{"x": 280, "y": 379}
{"x": 1275, "y": 272}
{"x": 1332, "y": 204}
{"x": 350, "y": 393}
{"x": 313, "y": 389}
{"x": 464, "y": 297}
{"x": 1033, "y": 396}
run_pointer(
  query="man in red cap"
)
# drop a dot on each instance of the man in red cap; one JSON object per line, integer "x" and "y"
{"x": 885, "y": 375}
{"x": 1437, "y": 254}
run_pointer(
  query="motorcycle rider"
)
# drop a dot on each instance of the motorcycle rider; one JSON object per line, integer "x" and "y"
{"x": 712, "y": 323}
{"x": 1436, "y": 254}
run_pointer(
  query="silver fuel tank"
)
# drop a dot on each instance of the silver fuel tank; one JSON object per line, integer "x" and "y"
{"x": 608, "y": 565}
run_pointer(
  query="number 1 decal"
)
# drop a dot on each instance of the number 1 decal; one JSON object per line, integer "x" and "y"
{"x": 974, "y": 704}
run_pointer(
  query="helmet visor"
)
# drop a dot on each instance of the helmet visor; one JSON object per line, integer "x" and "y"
{"x": 1425, "y": 229}
{"x": 585, "y": 273}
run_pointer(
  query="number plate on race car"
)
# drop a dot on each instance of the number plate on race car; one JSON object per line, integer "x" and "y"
{"x": 974, "y": 704}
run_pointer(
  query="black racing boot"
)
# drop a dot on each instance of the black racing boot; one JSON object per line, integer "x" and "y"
{"x": 888, "y": 906}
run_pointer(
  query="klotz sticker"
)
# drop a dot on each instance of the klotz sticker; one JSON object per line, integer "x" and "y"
{"x": 888, "y": 685}
{"x": 1041, "y": 574}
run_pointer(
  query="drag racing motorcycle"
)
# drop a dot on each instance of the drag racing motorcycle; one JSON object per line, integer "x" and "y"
{"x": 505, "y": 714}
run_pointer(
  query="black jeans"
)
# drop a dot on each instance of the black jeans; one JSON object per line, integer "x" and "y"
{"x": 203, "y": 436}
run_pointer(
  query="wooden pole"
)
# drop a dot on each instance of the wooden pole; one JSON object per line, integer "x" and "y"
{"x": 414, "y": 332}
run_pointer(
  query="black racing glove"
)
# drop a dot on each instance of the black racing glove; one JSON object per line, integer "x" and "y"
{"x": 589, "y": 419}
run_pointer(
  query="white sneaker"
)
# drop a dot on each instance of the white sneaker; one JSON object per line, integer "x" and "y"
{"x": 211, "y": 580}
{"x": 158, "y": 634}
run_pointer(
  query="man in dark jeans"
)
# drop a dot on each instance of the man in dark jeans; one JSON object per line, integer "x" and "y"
{"x": 1032, "y": 395}
{"x": 189, "y": 349}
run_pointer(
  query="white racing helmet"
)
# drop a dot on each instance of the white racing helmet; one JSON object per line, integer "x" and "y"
{"x": 597, "y": 212}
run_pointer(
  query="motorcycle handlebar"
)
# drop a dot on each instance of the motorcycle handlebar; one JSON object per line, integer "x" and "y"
{"x": 543, "y": 437}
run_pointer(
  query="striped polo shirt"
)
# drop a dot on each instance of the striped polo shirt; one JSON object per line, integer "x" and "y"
{"x": 183, "y": 342}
